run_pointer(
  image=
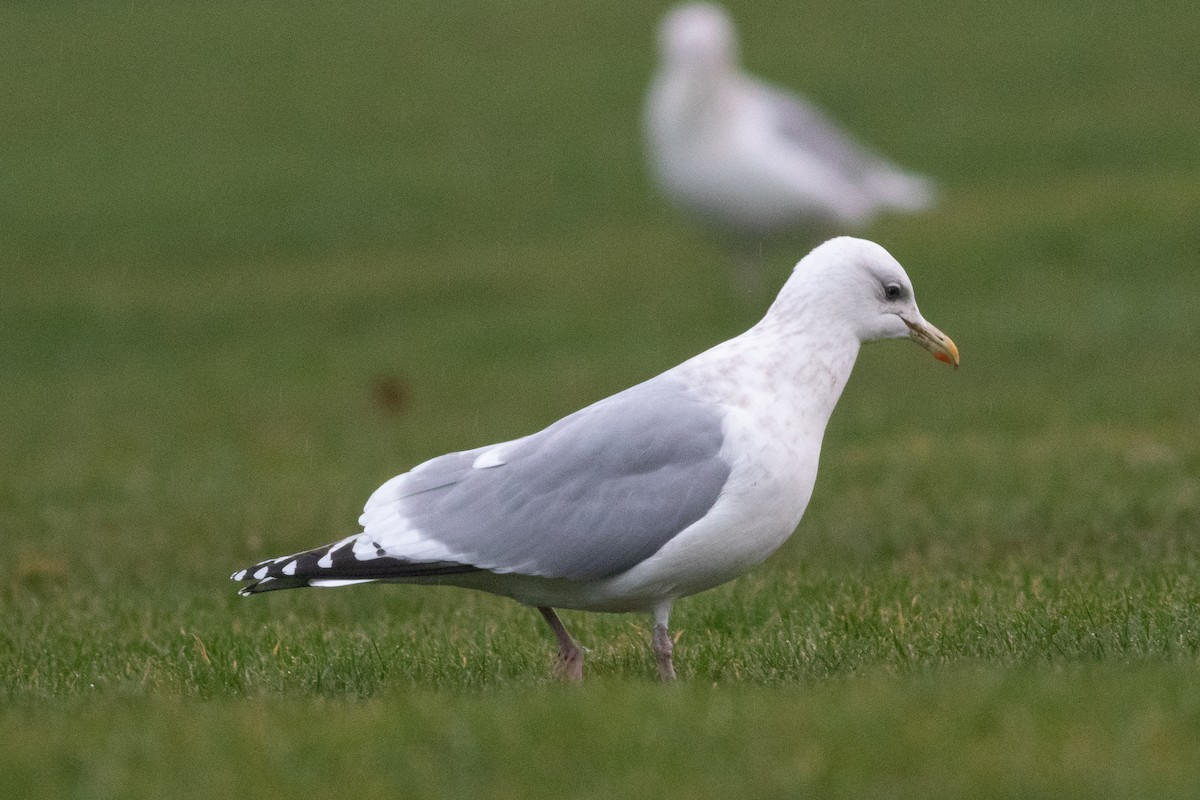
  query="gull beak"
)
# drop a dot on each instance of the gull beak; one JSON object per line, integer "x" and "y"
{"x": 933, "y": 340}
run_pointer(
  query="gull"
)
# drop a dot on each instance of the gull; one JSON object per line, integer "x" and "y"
{"x": 750, "y": 159}
{"x": 668, "y": 488}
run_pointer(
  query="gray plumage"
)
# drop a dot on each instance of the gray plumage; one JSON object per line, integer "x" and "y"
{"x": 588, "y": 497}
{"x": 664, "y": 490}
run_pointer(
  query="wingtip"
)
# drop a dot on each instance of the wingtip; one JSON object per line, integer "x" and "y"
{"x": 906, "y": 192}
{"x": 256, "y": 587}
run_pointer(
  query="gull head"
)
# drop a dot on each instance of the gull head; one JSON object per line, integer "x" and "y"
{"x": 854, "y": 284}
{"x": 698, "y": 36}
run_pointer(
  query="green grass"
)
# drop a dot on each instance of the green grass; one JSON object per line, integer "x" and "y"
{"x": 1021, "y": 733}
{"x": 225, "y": 226}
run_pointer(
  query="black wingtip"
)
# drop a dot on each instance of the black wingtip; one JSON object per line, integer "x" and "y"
{"x": 338, "y": 563}
{"x": 271, "y": 584}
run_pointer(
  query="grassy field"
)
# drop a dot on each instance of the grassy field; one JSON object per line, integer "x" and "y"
{"x": 257, "y": 259}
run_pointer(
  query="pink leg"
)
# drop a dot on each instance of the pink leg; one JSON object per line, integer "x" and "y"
{"x": 662, "y": 652}
{"x": 662, "y": 643}
{"x": 569, "y": 666}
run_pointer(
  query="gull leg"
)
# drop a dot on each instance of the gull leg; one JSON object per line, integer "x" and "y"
{"x": 662, "y": 643}
{"x": 569, "y": 666}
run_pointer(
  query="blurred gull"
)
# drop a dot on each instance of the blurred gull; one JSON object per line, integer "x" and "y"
{"x": 750, "y": 159}
{"x": 666, "y": 489}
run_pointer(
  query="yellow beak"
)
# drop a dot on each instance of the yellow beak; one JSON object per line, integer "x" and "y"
{"x": 933, "y": 340}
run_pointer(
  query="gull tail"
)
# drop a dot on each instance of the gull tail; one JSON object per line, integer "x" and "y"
{"x": 902, "y": 191}
{"x": 339, "y": 565}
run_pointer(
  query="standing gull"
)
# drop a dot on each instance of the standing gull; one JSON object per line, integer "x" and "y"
{"x": 666, "y": 489}
{"x": 750, "y": 159}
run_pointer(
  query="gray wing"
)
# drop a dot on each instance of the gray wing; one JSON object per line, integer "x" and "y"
{"x": 811, "y": 128}
{"x": 588, "y": 497}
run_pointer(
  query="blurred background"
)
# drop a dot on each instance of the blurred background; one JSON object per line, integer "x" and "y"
{"x": 256, "y": 258}
{"x": 330, "y": 241}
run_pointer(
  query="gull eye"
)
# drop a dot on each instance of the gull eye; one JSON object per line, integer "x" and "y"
{"x": 893, "y": 291}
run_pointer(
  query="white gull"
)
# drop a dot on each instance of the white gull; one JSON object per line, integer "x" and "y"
{"x": 666, "y": 489}
{"x": 751, "y": 159}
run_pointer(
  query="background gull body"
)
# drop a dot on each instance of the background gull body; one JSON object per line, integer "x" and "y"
{"x": 666, "y": 489}
{"x": 752, "y": 160}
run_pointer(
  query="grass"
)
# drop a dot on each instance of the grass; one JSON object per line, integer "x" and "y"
{"x": 258, "y": 259}
{"x": 1021, "y": 733}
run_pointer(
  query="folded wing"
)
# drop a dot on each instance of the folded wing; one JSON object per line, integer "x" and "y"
{"x": 588, "y": 497}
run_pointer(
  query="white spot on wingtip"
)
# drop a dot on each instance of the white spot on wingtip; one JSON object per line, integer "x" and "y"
{"x": 328, "y": 583}
{"x": 326, "y": 561}
{"x": 261, "y": 574}
{"x": 289, "y": 568}
{"x": 240, "y": 575}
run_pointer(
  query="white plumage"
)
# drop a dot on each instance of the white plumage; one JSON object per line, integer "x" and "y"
{"x": 669, "y": 488}
{"x": 751, "y": 159}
